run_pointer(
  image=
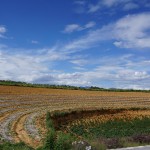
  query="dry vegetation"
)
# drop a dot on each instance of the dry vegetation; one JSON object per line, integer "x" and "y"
{"x": 23, "y": 109}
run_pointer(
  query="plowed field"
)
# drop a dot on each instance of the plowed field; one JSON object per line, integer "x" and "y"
{"x": 23, "y": 109}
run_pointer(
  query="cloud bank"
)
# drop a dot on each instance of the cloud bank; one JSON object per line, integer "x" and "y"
{"x": 122, "y": 71}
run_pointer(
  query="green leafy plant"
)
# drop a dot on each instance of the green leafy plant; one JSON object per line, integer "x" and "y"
{"x": 63, "y": 142}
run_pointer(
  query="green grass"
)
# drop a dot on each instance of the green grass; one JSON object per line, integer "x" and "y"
{"x": 18, "y": 146}
{"x": 56, "y": 140}
{"x": 114, "y": 129}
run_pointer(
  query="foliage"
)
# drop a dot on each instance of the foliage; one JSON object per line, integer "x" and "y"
{"x": 49, "y": 122}
{"x": 116, "y": 128}
{"x": 113, "y": 143}
{"x": 63, "y": 142}
{"x": 53, "y": 140}
{"x": 60, "y": 114}
{"x": 50, "y": 140}
{"x": 18, "y": 146}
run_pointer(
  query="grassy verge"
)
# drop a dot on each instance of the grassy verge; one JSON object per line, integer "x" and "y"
{"x": 56, "y": 140}
{"x": 110, "y": 134}
{"x": 18, "y": 146}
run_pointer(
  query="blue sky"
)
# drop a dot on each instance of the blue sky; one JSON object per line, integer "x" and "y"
{"x": 103, "y": 43}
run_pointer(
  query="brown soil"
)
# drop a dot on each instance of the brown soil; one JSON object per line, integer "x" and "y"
{"x": 22, "y": 135}
{"x": 74, "y": 115}
{"x": 40, "y": 123}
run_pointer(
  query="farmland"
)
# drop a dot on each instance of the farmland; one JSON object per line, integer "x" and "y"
{"x": 23, "y": 111}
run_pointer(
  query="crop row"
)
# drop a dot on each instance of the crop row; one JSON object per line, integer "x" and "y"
{"x": 21, "y": 108}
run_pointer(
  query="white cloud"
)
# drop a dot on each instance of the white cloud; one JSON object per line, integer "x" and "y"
{"x": 80, "y": 2}
{"x": 131, "y": 31}
{"x": 126, "y": 4}
{"x": 75, "y": 27}
{"x": 94, "y": 8}
{"x": 121, "y": 72}
{"x": 101, "y": 4}
{"x": 19, "y": 67}
{"x": 34, "y": 42}
{"x": 76, "y": 79}
{"x": 79, "y": 62}
{"x": 26, "y": 66}
{"x": 2, "y": 31}
{"x": 90, "y": 24}
{"x": 130, "y": 6}
{"x": 71, "y": 28}
{"x": 111, "y": 71}
{"x": 79, "y": 68}
{"x": 116, "y": 71}
{"x": 117, "y": 74}
{"x": 110, "y": 3}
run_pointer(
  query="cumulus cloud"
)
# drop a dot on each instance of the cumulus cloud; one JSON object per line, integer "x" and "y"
{"x": 132, "y": 31}
{"x": 119, "y": 72}
{"x": 26, "y": 66}
{"x": 75, "y": 27}
{"x": 19, "y": 67}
